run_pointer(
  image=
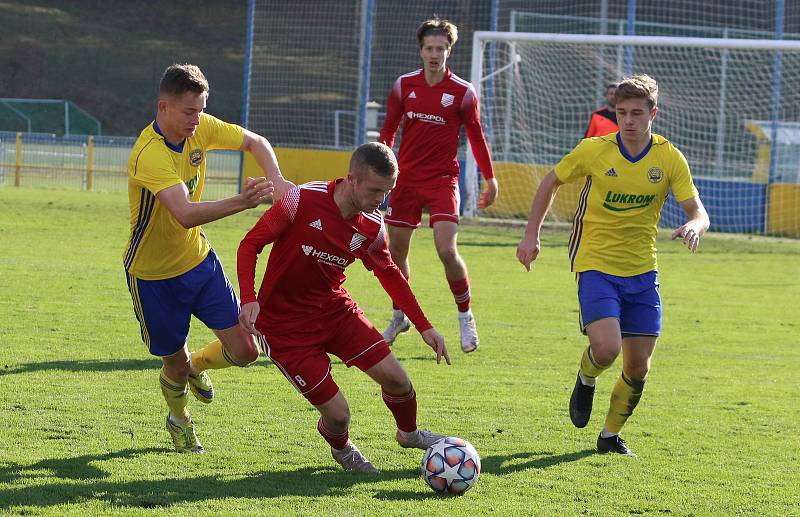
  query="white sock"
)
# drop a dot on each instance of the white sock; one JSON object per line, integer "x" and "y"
{"x": 397, "y": 314}
{"x": 178, "y": 421}
{"x": 585, "y": 381}
{"x": 465, "y": 315}
{"x": 605, "y": 433}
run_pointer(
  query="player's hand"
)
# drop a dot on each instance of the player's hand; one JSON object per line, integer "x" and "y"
{"x": 282, "y": 186}
{"x": 436, "y": 341}
{"x": 256, "y": 191}
{"x": 490, "y": 194}
{"x": 247, "y": 317}
{"x": 528, "y": 250}
{"x": 689, "y": 234}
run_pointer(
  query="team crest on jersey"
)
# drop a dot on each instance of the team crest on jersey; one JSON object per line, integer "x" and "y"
{"x": 316, "y": 224}
{"x": 356, "y": 241}
{"x": 196, "y": 157}
{"x": 655, "y": 174}
{"x": 447, "y": 100}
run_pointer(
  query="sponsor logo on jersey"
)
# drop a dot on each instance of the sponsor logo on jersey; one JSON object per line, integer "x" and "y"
{"x": 191, "y": 184}
{"x": 196, "y": 157}
{"x": 426, "y": 117}
{"x": 447, "y": 100}
{"x": 623, "y": 202}
{"x": 316, "y": 224}
{"x": 611, "y": 172}
{"x": 356, "y": 241}
{"x": 324, "y": 256}
{"x": 655, "y": 174}
{"x": 412, "y": 95}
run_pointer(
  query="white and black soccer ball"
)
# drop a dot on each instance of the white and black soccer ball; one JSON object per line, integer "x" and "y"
{"x": 451, "y": 466}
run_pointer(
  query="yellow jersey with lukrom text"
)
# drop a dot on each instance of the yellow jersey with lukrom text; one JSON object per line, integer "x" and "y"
{"x": 159, "y": 247}
{"x": 616, "y": 222}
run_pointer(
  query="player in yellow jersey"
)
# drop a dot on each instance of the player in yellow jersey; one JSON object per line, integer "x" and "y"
{"x": 172, "y": 271}
{"x": 628, "y": 176}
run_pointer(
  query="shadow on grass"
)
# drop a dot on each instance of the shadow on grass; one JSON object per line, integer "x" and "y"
{"x": 501, "y": 466}
{"x": 83, "y": 366}
{"x": 129, "y": 365}
{"x": 79, "y": 467}
{"x": 86, "y": 483}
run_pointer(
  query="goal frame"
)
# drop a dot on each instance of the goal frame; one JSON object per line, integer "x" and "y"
{"x": 480, "y": 38}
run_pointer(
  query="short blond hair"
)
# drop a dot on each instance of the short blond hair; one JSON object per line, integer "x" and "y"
{"x": 640, "y": 86}
{"x": 437, "y": 27}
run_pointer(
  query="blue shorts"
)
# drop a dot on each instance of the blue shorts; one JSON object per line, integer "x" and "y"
{"x": 633, "y": 300}
{"x": 164, "y": 308}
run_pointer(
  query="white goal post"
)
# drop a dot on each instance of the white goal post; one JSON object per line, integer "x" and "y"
{"x": 731, "y": 105}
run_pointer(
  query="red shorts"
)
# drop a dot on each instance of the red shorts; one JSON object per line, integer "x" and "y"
{"x": 406, "y": 204}
{"x": 303, "y": 358}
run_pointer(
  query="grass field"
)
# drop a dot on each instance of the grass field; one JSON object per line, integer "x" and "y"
{"x": 81, "y": 414}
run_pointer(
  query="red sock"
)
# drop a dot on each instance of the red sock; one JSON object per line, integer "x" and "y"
{"x": 404, "y": 409}
{"x": 337, "y": 441}
{"x": 460, "y": 290}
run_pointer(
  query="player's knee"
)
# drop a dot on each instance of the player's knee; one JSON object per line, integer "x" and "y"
{"x": 397, "y": 385}
{"x": 604, "y": 355}
{"x": 637, "y": 372}
{"x": 448, "y": 255}
{"x": 338, "y": 418}
{"x": 178, "y": 371}
{"x": 244, "y": 353}
{"x": 399, "y": 251}
{"x": 249, "y": 354}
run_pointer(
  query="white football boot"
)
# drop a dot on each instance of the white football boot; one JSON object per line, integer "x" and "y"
{"x": 350, "y": 458}
{"x": 399, "y": 324}
{"x": 469, "y": 332}
{"x": 419, "y": 439}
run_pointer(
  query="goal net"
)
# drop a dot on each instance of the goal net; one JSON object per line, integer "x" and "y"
{"x": 732, "y": 106}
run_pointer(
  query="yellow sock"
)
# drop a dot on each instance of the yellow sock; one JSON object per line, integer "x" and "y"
{"x": 212, "y": 357}
{"x": 624, "y": 397}
{"x": 175, "y": 395}
{"x": 589, "y": 368}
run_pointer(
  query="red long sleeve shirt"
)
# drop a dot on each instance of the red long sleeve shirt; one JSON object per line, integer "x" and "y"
{"x": 313, "y": 245}
{"x": 432, "y": 117}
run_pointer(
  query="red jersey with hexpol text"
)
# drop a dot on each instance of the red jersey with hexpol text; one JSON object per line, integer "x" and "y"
{"x": 313, "y": 244}
{"x": 432, "y": 117}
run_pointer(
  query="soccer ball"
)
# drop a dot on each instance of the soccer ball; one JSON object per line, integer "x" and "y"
{"x": 451, "y": 466}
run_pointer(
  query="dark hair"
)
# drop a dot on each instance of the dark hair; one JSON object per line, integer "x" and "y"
{"x": 640, "y": 86}
{"x": 179, "y": 79}
{"x": 437, "y": 27}
{"x": 375, "y": 156}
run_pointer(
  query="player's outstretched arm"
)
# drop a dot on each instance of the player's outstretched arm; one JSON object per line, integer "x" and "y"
{"x": 190, "y": 214}
{"x": 264, "y": 154}
{"x": 436, "y": 341}
{"x": 529, "y": 246}
{"x": 695, "y": 227}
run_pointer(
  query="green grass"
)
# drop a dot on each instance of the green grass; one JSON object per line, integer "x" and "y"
{"x": 81, "y": 414}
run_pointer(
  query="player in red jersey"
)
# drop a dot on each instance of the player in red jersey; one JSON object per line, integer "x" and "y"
{"x": 604, "y": 120}
{"x": 302, "y": 312}
{"x": 433, "y": 104}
